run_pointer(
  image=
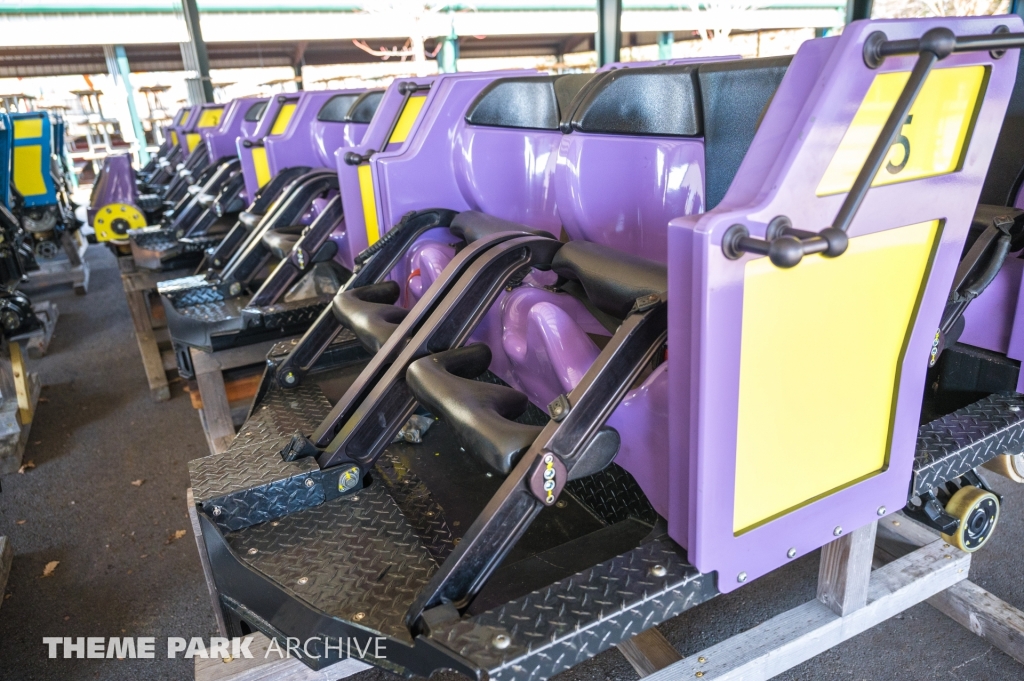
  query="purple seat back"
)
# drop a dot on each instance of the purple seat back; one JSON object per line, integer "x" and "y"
{"x": 634, "y": 158}
{"x": 300, "y": 143}
{"x": 795, "y": 394}
{"x": 178, "y": 126}
{"x": 222, "y": 140}
{"x": 342, "y": 122}
{"x": 396, "y": 115}
{"x": 204, "y": 117}
{"x": 251, "y": 152}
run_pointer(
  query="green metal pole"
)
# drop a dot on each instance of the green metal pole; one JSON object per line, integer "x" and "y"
{"x": 666, "y": 39}
{"x": 198, "y": 47}
{"x": 858, "y": 9}
{"x": 448, "y": 57}
{"x": 609, "y": 31}
{"x": 125, "y": 72}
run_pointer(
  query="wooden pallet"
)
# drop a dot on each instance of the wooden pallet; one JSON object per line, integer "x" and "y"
{"x": 67, "y": 268}
{"x": 212, "y": 395}
{"x": 6, "y": 558}
{"x": 16, "y": 414}
{"x": 150, "y": 323}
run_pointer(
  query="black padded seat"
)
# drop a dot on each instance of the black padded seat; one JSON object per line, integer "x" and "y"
{"x": 335, "y": 109}
{"x": 1006, "y": 171}
{"x": 531, "y": 102}
{"x": 364, "y": 107}
{"x": 370, "y": 313}
{"x": 280, "y": 243}
{"x": 480, "y": 414}
{"x": 733, "y": 95}
{"x": 653, "y": 100}
{"x": 471, "y": 225}
{"x": 255, "y": 112}
{"x": 612, "y": 280}
{"x": 721, "y": 101}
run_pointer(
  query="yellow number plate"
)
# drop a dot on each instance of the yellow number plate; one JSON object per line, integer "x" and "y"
{"x": 410, "y": 112}
{"x": 210, "y": 118}
{"x": 934, "y": 135}
{"x": 284, "y": 117}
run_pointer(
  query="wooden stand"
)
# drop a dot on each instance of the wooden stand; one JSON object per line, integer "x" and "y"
{"x": 214, "y": 400}
{"x": 71, "y": 268}
{"x": 150, "y": 323}
{"x": 6, "y": 558}
{"x": 851, "y": 599}
{"x": 16, "y": 414}
{"x": 37, "y": 342}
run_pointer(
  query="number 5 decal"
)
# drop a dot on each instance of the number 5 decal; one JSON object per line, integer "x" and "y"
{"x": 905, "y": 143}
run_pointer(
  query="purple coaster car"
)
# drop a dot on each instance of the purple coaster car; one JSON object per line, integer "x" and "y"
{"x": 700, "y": 351}
{"x": 304, "y": 230}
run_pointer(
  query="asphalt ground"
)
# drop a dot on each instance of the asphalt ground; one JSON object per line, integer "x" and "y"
{"x": 122, "y": 572}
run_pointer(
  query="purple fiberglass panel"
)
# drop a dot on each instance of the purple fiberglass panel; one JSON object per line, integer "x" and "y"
{"x": 189, "y": 114}
{"x": 519, "y": 186}
{"x": 298, "y": 145}
{"x": 222, "y": 140}
{"x": 253, "y": 137}
{"x": 796, "y": 141}
{"x": 621, "y": 191}
{"x": 114, "y": 184}
{"x": 990, "y": 318}
{"x": 421, "y": 173}
{"x": 374, "y": 139}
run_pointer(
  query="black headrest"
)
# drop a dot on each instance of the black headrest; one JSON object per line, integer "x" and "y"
{"x": 335, "y": 109}
{"x": 733, "y": 96}
{"x": 652, "y": 100}
{"x": 255, "y": 112}
{"x": 364, "y": 107}
{"x": 1006, "y": 171}
{"x": 533, "y": 102}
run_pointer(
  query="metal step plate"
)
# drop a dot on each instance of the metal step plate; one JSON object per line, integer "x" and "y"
{"x": 950, "y": 446}
{"x": 250, "y": 483}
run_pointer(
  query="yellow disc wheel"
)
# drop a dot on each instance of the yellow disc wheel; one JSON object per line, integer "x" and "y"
{"x": 978, "y": 512}
{"x": 114, "y": 220}
{"x": 1008, "y": 465}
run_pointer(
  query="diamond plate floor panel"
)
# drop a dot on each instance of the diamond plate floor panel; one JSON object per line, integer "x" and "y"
{"x": 355, "y": 558}
{"x": 950, "y": 446}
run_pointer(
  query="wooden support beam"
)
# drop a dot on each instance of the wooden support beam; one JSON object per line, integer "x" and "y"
{"x": 845, "y": 571}
{"x": 799, "y": 634}
{"x": 966, "y": 603}
{"x": 648, "y": 652}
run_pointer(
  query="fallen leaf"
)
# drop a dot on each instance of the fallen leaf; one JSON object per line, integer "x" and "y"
{"x": 178, "y": 534}
{"x": 145, "y": 555}
{"x": 28, "y": 465}
{"x": 22, "y": 522}
{"x": 50, "y": 567}
{"x": 138, "y": 483}
{"x": 38, "y": 442}
{"x": 67, "y": 617}
{"x": 6, "y": 596}
{"x": 44, "y": 400}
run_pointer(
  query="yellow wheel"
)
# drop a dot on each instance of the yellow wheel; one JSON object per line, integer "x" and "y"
{"x": 978, "y": 512}
{"x": 1008, "y": 465}
{"x": 114, "y": 221}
